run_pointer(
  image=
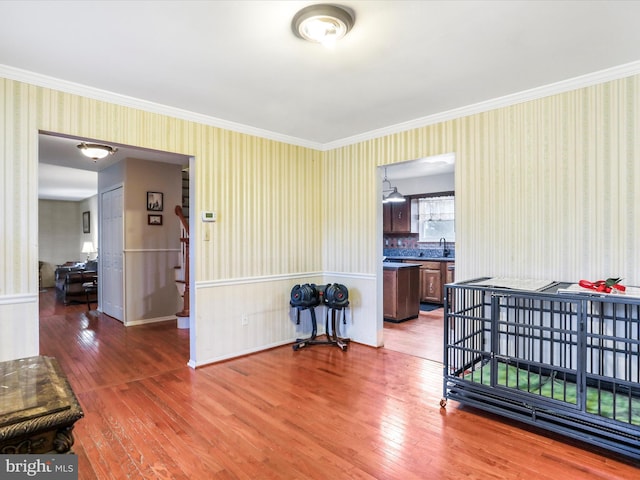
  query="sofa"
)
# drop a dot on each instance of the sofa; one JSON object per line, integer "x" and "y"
{"x": 69, "y": 279}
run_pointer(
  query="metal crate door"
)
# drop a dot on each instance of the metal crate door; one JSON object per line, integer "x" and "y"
{"x": 467, "y": 331}
{"x": 613, "y": 360}
{"x": 537, "y": 345}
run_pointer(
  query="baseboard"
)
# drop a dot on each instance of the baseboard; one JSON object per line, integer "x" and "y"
{"x": 222, "y": 358}
{"x": 144, "y": 321}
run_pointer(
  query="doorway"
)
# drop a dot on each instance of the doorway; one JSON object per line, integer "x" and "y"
{"x": 66, "y": 177}
{"x": 422, "y": 336}
{"x": 111, "y": 248}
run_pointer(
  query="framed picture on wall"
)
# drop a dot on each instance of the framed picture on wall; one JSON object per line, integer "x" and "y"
{"x": 154, "y": 201}
{"x": 86, "y": 222}
{"x": 154, "y": 219}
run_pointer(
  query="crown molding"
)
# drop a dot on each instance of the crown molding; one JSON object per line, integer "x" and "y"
{"x": 590, "y": 79}
{"x": 45, "y": 81}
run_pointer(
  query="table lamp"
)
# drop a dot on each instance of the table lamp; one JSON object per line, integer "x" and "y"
{"x": 87, "y": 248}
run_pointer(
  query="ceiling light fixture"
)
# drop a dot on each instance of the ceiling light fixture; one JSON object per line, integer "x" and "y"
{"x": 95, "y": 150}
{"x": 394, "y": 196}
{"x": 322, "y": 23}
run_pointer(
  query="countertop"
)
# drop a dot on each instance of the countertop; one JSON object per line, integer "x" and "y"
{"x": 397, "y": 265}
{"x": 421, "y": 259}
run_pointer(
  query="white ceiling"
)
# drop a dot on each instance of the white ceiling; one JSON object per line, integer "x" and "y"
{"x": 239, "y": 62}
{"x": 64, "y": 173}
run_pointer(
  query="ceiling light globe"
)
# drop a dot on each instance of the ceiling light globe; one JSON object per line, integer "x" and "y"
{"x": 96, "y": 151}
{"x": 322, "y": 29}
{"x": 324, "y": 24}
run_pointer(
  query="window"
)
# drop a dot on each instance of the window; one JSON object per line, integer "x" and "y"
{"x": 436, "y": 218}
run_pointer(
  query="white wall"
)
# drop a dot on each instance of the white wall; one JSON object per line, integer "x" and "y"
{"x": 59, "y": 236}
{"x": 90, "y": 205}
{"x": 151, "y": 251}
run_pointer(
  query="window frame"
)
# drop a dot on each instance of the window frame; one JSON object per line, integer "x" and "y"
{"x": 417, "y": 197}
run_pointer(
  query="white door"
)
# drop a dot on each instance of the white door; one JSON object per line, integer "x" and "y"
{"x": 111, "y": 254}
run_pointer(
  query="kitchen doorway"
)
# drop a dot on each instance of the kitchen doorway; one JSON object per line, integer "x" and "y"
{"x": 422, "y": 336}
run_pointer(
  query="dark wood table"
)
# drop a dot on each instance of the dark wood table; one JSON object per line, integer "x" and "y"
{"x": 37, "y": 407}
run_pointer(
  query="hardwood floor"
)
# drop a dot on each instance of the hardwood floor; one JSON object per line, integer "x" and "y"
{"x": 421, "y": 337}
{"x": 316, "y": 413}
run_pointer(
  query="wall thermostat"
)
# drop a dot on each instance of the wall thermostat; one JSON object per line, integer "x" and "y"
{"x": 209, "y": 216}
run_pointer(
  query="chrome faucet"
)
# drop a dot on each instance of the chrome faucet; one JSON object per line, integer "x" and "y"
{"x": 443, "y": 244}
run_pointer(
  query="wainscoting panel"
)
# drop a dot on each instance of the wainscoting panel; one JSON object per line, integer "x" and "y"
{"x": 18, "y": 322}
{"x": 150, "y": 289}
{"x": 263, "y": 302}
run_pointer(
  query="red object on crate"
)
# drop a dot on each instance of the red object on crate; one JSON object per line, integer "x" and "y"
{"x": 604, "y": 286}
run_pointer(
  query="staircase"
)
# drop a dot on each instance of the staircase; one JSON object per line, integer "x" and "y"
{"x": 182, "y": 269}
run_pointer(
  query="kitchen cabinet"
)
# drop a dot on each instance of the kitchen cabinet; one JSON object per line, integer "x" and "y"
{"x": 401, "y": 283}
{"x": 450, "y": 276}
{"x": 430, "y": 282}
{"x": 433, "y": 277}
{"x": 396, "y": 217}
{"x": 430, "y": 286}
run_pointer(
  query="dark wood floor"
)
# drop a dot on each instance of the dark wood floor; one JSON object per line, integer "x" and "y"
{"x": 317, "y": 413}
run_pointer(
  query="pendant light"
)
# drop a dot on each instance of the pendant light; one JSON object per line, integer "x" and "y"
{"x": 394, "y": 196}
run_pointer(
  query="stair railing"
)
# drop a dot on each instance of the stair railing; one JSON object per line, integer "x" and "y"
{"x": 184, "y": 241}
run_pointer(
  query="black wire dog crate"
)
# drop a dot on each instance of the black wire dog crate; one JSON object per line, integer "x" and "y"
{"x": 564, "y": 361}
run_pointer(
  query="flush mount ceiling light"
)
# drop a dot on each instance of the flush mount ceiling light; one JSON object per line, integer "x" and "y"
{"x": 95, "y": 150}
{"x": 322, "y": 23}
{"x": 394, "y": 195}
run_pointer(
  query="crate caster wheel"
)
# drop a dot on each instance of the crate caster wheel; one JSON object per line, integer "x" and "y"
{"x": 443, "y": 402}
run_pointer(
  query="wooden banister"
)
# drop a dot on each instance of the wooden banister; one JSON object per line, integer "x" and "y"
{"x": 183, "y": 220}
{"x": 184, "y": 239}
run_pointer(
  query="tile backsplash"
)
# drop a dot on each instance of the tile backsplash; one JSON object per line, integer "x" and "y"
{"x": 395, "y": 246}
{"x": 401, "y": 242}
{"x": 417, "y": 252}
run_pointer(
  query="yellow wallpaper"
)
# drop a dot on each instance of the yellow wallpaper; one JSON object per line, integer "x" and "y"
{"x": 265, "y": 192}
{"x": 544, "y": 189}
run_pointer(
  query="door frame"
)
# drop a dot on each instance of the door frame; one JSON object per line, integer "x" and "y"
{"x": 101, "y": 235}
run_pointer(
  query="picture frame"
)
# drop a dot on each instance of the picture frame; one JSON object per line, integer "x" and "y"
{"x": 86, "y": 222}
{"x": 155, "y": 201}
{"x": 153, "y": 219}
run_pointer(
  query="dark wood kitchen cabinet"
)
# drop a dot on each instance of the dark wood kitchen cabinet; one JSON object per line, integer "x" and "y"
{"x": 430, "y": 286}
{"x": 396, "y": 217}
{"x": 401, "y": 283}
{"x": 430, "y": 282}
{"x": 433, "y": 277}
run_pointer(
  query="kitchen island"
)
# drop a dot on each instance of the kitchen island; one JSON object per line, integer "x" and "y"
{"x": 401, "y": 291}
{"x": 435, "y": 273}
